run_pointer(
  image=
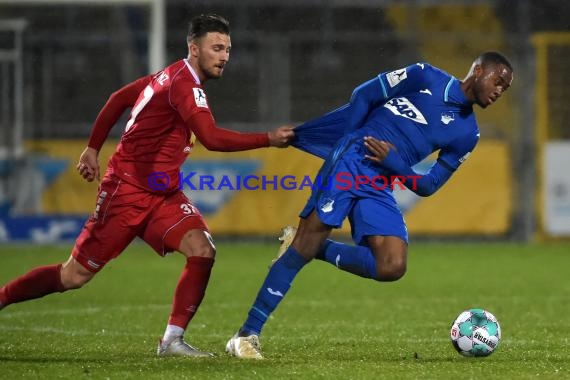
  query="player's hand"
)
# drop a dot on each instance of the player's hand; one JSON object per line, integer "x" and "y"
{"x": 378, "y": 148}
{"x": 281, "y": 137}
{"x": 88, "y": 165}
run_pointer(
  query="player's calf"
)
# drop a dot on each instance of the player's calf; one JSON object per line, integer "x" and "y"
{"x": 37, "y": 283}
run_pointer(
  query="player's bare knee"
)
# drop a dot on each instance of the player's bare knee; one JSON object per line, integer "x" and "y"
{"x": 391, "y": 262}
{"x": 310, "y": 237}
{"x": 198, "y": 244}
{"x": 73, "y": 279}
{"x": 73, "y": 275}
{"x": 391, "y": 270}
{"x": 199, "y": 249}
{"x": 204, "y": 250}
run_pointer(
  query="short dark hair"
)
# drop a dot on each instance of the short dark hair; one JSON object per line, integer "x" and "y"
{"x": 200, "y": 25}
{"x": 494, "y": 58}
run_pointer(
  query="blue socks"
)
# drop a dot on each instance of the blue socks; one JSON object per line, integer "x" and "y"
{"x": 274, "y": 288}
{"x": 355, "y": 259}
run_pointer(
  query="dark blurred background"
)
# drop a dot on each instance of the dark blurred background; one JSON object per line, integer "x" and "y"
{"x": 290, "y": 61}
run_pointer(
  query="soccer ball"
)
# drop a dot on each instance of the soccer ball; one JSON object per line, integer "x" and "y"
{"x": 475, "y": 332}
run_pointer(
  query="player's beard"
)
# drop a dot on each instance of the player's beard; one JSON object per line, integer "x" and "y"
{"x": 211, "y": 71}
{"x": 215, "y": 73}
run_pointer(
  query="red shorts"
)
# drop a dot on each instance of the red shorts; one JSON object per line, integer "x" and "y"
{"x": 123, "y": 212}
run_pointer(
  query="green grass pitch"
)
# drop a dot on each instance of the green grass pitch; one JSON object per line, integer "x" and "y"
{"x": 330, "y": 325}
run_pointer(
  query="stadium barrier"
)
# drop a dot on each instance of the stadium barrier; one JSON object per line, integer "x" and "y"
{"x": 476, "y": 201}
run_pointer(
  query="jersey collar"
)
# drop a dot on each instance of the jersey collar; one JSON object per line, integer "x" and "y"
{"x": 192, "y": 71}
{"x": 454, "y": 94}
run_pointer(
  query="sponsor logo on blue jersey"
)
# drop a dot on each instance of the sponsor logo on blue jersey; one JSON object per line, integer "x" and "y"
{"x": 396, "y": 76}
{"x": 403, "y": 107}
{"x": 447, "y": 117}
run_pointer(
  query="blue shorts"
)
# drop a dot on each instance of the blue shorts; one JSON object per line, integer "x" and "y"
{"x": 370, "y": 207}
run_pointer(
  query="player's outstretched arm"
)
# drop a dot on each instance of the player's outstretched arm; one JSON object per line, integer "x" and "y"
{"x": 225, "y": 140}
{"x": 384, "y": 154}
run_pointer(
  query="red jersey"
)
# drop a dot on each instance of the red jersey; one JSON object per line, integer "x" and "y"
{"x": 157, "y": 137}
{"x": 167, "y": 109}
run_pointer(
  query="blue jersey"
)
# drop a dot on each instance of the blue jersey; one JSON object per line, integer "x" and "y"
{"x": 426, "y": 111}
{"x": 420, "y": 109}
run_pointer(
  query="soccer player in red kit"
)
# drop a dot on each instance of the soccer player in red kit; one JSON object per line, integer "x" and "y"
{"x": 168, "y": 109}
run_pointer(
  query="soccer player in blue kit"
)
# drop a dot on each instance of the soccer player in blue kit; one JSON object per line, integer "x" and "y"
{"x": 392, "y": 122}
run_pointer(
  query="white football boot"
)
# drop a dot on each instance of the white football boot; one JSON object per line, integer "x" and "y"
{"x": 178, "y": 347}
{"x": 287, "y": 235}
{"x": 244, "y": 347}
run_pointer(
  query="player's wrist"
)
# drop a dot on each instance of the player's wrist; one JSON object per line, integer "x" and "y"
{"x": 92, "y": 150}
{"x": 391, "y": 160}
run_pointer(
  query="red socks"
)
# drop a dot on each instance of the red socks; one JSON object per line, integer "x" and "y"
{"x": 189, "y": 293}
{"x": 37, "y": 283}
{"x": 190, "y": 290}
